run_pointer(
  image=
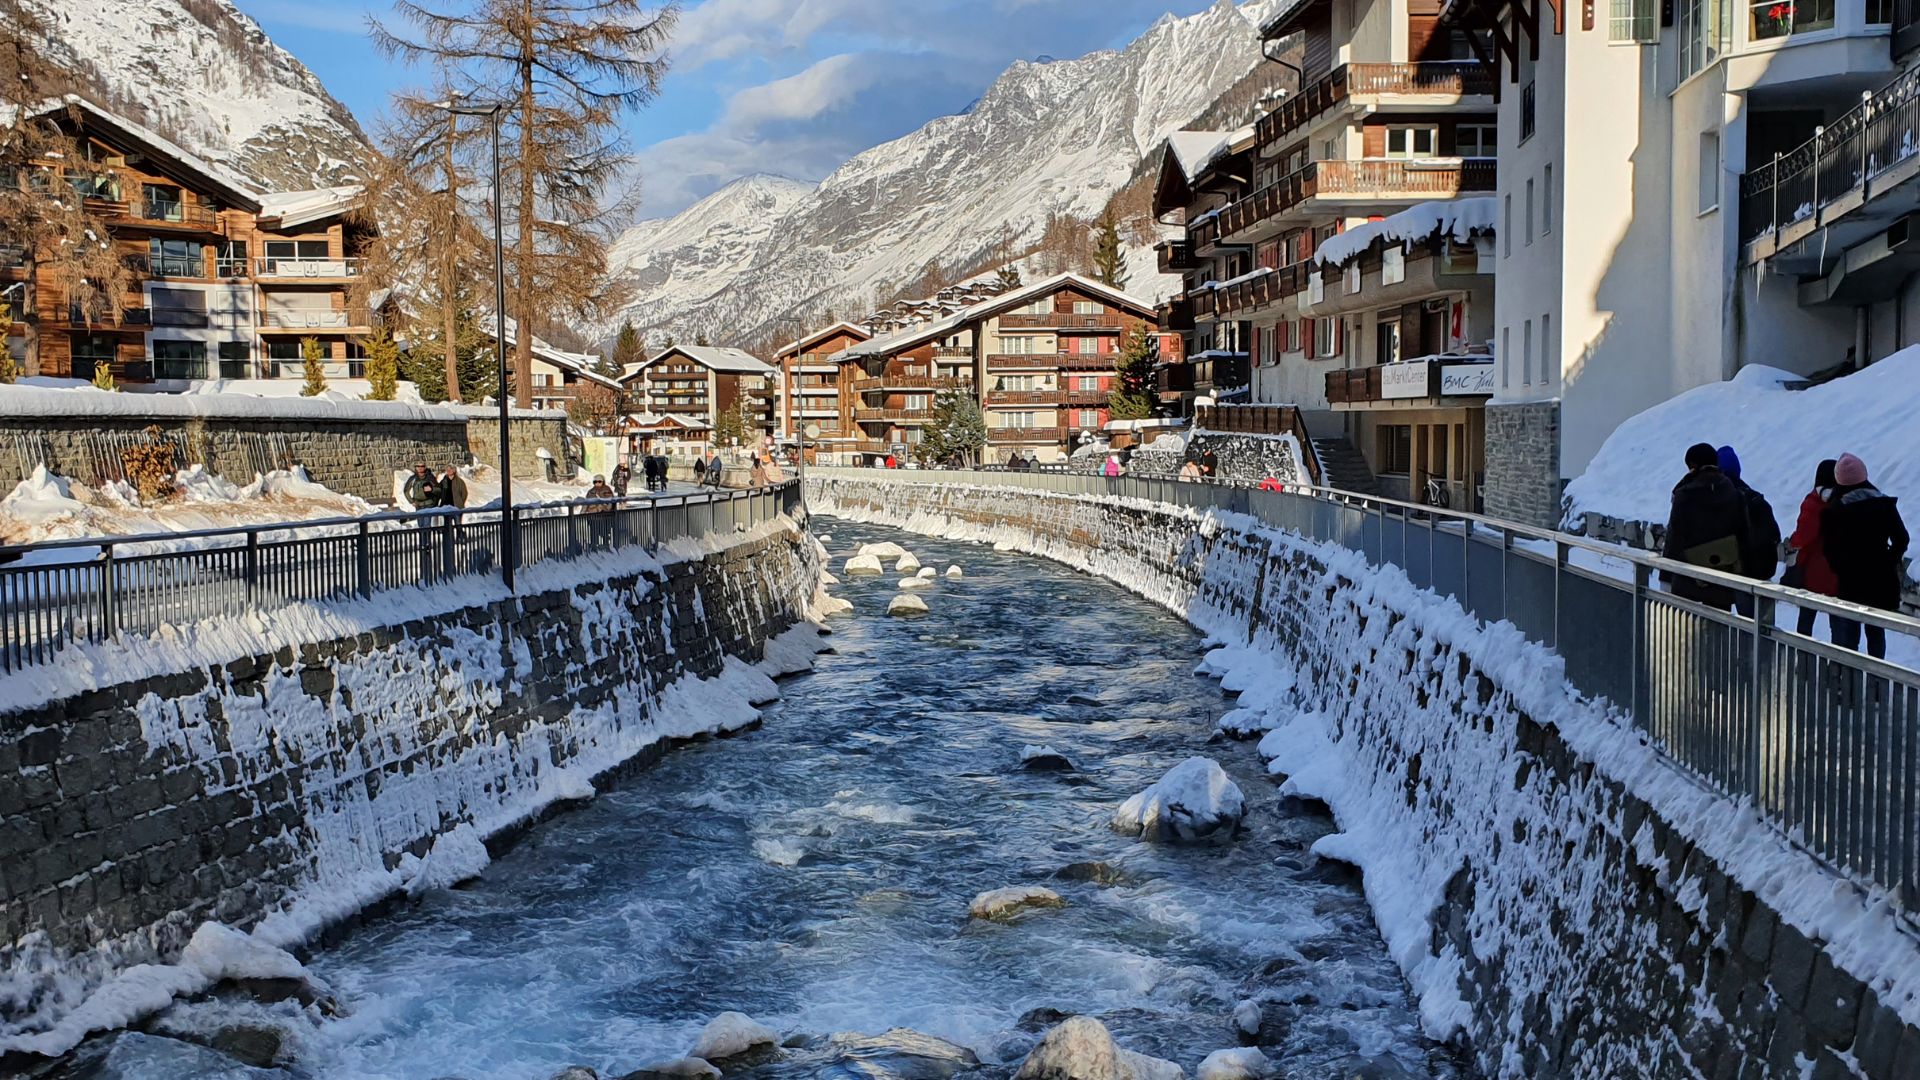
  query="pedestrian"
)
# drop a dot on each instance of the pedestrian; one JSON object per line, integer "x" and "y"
{"x": 1190, "y": 471}
{"x": 892, "y": 463}
{"x": 1705, "y": 527}
{"x": 660, "y": 467}
{"x": 1810, "y": 569}
{"x": 1013, "y": 461}
{"x": 622, "y": 479}
{"x": 648, "y": 466}
{"x": 1209, "y": 464}
{"x": 422, "y": 490}
{"x": 699, "y": 469}
{"x": 716, "y": 469}
{"x": 599, "y": 525}
{"x": 453, "y": 487}
{"x": 1112, "y": 467}
{"x": 1865, "y": 542}
{"x": 757, "y": 475}
{"x": 1760, "y": 543}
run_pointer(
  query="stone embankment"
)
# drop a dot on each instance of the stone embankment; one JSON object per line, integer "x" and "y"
{"x": 1561, "y": 898}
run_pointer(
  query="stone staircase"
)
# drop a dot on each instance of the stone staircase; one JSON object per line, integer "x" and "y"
{"x": 1343, "y": 467}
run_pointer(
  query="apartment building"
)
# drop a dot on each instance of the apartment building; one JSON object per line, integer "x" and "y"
{"x": 1201, "y": 174}
{"x": 227, "y": 281}
{"x": 1041, "y": 360}
{"x": 1685, "y": 189}
{"x": 558, "y": 374}
{"x": 811, "y": 390}
{"x": 703, "y": 382}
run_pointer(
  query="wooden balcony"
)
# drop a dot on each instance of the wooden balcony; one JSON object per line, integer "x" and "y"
{"x": 894, "y": 416}
{"x": 270, "y": 269}
{"x": 1363, "y": 185}
{"x": 1177, "y": 314}
{"x": 1062, "y": 320}
{"x": 1175, "y": 256}
{"x": 1052, "y": 361}
{"x": 1173, "y": 380}
{"x": 336, "y": 322}
{"x": 943, "y": 352}
{"x": 1202, "y": 235}
{"x": 1027, "y": 435}
{"x": 1453, "y": 377}
{"x": 1082, "y": 399}
{"x": 173, "y": 216}
{"x": 1272, "y": 287}
{"x": 910, "y": 382}
{"x": 1425, "y": 85}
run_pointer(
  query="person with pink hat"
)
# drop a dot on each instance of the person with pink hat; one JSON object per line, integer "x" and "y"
{"x": 1865, "y": 542}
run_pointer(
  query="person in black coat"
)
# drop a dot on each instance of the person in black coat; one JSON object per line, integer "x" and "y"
{"x": 1705, "y": 527}
{"x": 1865, "y": 542}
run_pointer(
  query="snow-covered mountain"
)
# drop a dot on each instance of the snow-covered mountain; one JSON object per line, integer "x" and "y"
{"x": 1046, "y": 138}
{"x": 207, "y": 77}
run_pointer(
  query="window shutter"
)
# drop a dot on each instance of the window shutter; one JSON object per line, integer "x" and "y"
{"x": 1307, "y": 341}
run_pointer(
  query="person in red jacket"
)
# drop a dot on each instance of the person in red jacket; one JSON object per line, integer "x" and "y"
{"x": 1810, "y": 569}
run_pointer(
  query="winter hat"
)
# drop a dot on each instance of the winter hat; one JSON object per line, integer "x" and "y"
{"x": 1850, "y": 470}
{"x": 1729, "y": 461}
{"x": 1700, "y": 454}
{"x": 1823, "y": 476}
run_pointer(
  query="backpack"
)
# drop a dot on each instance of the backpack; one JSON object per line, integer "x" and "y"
{"x": 1760, "y": 541}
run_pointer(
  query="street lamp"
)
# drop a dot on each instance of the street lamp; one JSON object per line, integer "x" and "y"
{"x": 458, "y": 106}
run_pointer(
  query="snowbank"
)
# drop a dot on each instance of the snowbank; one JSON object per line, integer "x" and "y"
{"x": 19, "y": 401}
{"x": 1194, "y": 799}
{"x": 45, "y": 507}
{"x": 1458, "y": 219}
{"x": 1781, "y": 436}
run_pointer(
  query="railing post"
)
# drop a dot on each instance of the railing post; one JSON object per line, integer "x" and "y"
{"x": 573, "y": 530}
{"x": 1763, "y": 616}
{"x": 363, "y": 559}
{"x": 1819, "y": 133}
{"x": 509, "y": 544}
{"x": 1637, "y": 707}
{"x": 1773, "y": 219}
{"x": 109, "y": 577}
{"x": 253, "y": 567}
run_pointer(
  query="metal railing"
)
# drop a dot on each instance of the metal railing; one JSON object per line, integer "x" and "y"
{"x": 1842, "y": 158}
{"x": 1823, "y": 741}
{"x": 62, "y": 593}
{"x": 274, "y": 267}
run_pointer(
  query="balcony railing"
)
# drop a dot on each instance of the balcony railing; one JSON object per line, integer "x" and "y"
{"x": 914, "y": 416}
{"x": 1062, "y": 320}
{"x": 306, "y": 268}
{"x": 1262, "y": 420}
{"x": 1175, "y": 256}
{"x": 312, "y": 320}
{"x": 1177, "y": 314}
{"x": 909, "y": 382}
{"x": 1062, "y": 396}
{"x": 161, "y": 213}
{"x": 952, "y": 353}
{"x": 1271, "y": 287}
{"x": 1416, "y": 381}
{"x": 1026, "y": 434}
{"x": 1833, "y": 172}
{"x": 1386, "y": 179}
{"x": 1174, "y": 378}
{"x": 173, "y": 266}
{"x": 1435, "y": 78}
{"x": 1064, "y": 361}
{"x": 1203, "y": 233}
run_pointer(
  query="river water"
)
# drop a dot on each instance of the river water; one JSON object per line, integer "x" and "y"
{"x": 815, "y": 873}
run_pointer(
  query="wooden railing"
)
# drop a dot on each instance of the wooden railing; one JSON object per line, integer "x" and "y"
{"x": 1062, "y": 320}
{"x": 910, "y": 382}
{"x": 1175, "y": 256}
{"x": 1353, "y": 386}
{"x": 1382, "y": 178}
{"x": 1446, "y": 78}
{"x": 1064, "y": 361}
{"x": 1026, "y": 434}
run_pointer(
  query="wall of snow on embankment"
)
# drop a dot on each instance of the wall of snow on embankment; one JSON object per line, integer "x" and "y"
{"x": 278, "y": 772}
{"x": 1781, "y": 435}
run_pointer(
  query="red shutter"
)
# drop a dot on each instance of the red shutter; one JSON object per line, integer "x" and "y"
{"x": 1308, "y": 339}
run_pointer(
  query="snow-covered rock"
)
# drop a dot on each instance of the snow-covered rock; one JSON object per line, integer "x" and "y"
{"x": 928, "y": 571}
{"x": 1044, "y": 759}
{"x": 1012, "y": 900}
{"x": 906, "y": 604}
{"x": 907, "y": 564}
{"x": 914, "y": 584}
{"x": 1081, "y": 1048}
{"x": 954, "y": 571}
{"x": 1003, "y": 545}
{"x": 887, "y": 550}
{"x": 827, "y": 578}
{"x": 826, "y": 606}
{"x": 1239, "y": 1063}
{"x": 1246, "y": 1017}
{"x": 1195, "y": 799}
{"x": 686, "y": 1068}
{"x": 731, "y": 1034}
{"x": 864, "y": 564}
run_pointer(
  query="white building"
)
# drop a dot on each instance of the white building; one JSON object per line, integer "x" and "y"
{"x": 1627, "y": 271}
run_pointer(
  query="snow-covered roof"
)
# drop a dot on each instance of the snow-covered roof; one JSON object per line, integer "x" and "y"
{"x": 914, "y": 336}
{"x": 582, "y": 364}
{"x": 716, "y": 358}
{"x": 842, "y": 327}
{"x": 1195, "y": 150}
{"x": 293, "y": 208}
{"x": 232, "y": 185}
{"x": 1288, "y": 11}
{"x": 1459, "y": 219}
{"x": 658, "y": 420}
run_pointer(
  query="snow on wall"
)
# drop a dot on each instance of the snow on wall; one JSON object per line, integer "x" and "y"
{"x": 1555, "y": 891}
{"x": 281, "y": 772}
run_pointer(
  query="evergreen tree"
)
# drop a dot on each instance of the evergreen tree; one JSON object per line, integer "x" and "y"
{"x": 312, "y": 361}
{"x": 955, "y": 431}
{"x": 383, "y": 365}
{"x": 1009, "y": 276}
{"x": 628, "y": 350}
{"x": 424, "y": 366}
{"x": 700, "y": 339}
{"x": 1132, "y": 395}
{"x": 670, "y": 342}
{"x": 1109, "y": 261}
{"x": 730, "y": 428}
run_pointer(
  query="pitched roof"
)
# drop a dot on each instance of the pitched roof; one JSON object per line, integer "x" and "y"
{"x": 842, "y": 327}
{"x": 715, "y": 358}
{"x": 229, "y": 185}
{"x": 1195, "y": 150}
{"x": 915, "y": 336}
{"x": 293, "y": 208}
{"x": 579, "y": 363}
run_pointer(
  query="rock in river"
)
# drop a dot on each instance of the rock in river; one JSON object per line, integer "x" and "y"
{"x": 906, "y": 604}
{"x": 731, "y": 1034}
{"x": 1008, "y": 902}
{"x": 911, "y": 583}
{"x": 1194, "y": 800}
{"x": 888, "y": 550}
{"x": 1240, "y": 1063}
{"x": 1081, "y": 1048}
{"x": 907, "y": 564}
{"x": 1044, "y": 759}
{"x": 864, "y": 564}
{"x": 686, "y": 1068}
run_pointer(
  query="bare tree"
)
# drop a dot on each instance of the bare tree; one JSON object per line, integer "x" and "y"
{"x": 567, "y": 70}
{"x": 47, "y": 177}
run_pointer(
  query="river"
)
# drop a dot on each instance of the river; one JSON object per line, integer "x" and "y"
{"x": 815, "y": 873}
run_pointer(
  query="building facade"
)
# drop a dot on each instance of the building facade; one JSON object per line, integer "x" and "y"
{"x": 704, "y": 383}
{"x": 226, "y": 282}
{"x": 1201, "y": 174}
{"x": 811, "y": 389}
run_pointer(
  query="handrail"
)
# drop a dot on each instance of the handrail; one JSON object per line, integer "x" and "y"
{"x": 1844, "y": 155}
{"x": 58, "y": 593}
{"x": 1819, "y": 739}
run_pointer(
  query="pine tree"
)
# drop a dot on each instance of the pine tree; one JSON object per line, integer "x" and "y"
{"x": 477, "y": 371}
{"x": 700, "y": 340}
{"x": 628, "y": 350}
{"x": 1132, "y": 396}
{"x": 383, "y": 365}
{"x": 670, "y": 342}
{"x": 730, "y": 426}
{"x": 1109, "y": 261}
{"x": 1009, "y": 277}
{"x": 312, "y": 363}
{"x": 955, "y": 431}
{"x": 568, "y": 71}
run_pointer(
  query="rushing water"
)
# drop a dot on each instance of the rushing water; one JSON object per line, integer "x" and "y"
{"x": 815, "y": 873}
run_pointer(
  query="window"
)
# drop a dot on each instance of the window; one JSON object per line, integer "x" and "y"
{"x": 1086, "y": 382}
{"x": 1506, "y": 357}
{"x": 1088, "y": 307}
{"x": 1706, "y": 31}
{"x": 1393, "y": 265}
{"x": 1019, "y": 420}
{"x": 1316, "y": 287}
{"x": 1035, "y": 307}
{"x": 1016, "y": 382}
{"x": 1086, "y": 346}
{"x": 1506, "y": 224}
{"x": 1387, "y": 342}
{"x": 179, "y": 307}
{"x": 1529, "y": 225}
{"x": 1087, "y": 418}
{"x": 235, "y": 360}
{"x": 1330, "y": 149}
{"x": 1526, "y": 353}
{"x": 295, "y": 249}
{"x": 1296, "y": 331}
{"x": 1546, "y": 201}
{"x": 283, "y": 360}
{"x": 1526, "y": 111}
{"x": 161, "y": 202}
{"x": 918, "y": 402}
{"x": 1476, "y": 140}
{"x": 1631, "y": 21}
{"x": 1326, "y": 338}
{"x": 100, "y": 185}
{"x": 175, "y": 258}
{"x": 1352, "y": 275}
{"x": 1396, "y": 449}
{"x": 89, "y": 352}
{"x": 1709, "y": 171}
{"x": 1412, "y": 142}
{"x": 1549, "y": 371}
{"x": 181, "y": 359}
{"x": 1779, "y": 18}
{"x": 1021, "y": 346}
{"x": 230, "y": 258}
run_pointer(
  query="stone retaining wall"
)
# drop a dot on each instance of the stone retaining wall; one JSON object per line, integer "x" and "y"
{"x": 356, "y": 456}
{"x": 1243, "y": 457}
{"x": 282, "y": 788}
{"x": 1545, "y": 912}
{"x": 1523, "y": 463}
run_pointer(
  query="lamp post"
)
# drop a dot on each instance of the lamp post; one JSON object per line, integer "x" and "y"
{"x": 509, "y": 555}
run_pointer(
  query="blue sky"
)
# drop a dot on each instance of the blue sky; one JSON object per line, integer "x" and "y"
{"x": 783, "y": 86}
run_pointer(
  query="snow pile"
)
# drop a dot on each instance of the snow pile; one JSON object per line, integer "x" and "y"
{"x": 1781, "y": 436}
{"x": 47, "y": 507}
{"x": 23, "y": 401}
{"x": 1194, "y": 799}
{"x": 1081, "y": 1048}
{"x": 1013, "y": 900}
{"x": 456, "y": 856}
{"x": 863, "y": 564}
{"x": 731, "y": 1034}
{"x": 1239, "y": 1063}
{"x": 915, "y": 584}
{"x": 1458, "y": 219}
{"x": 888, "y": 550}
